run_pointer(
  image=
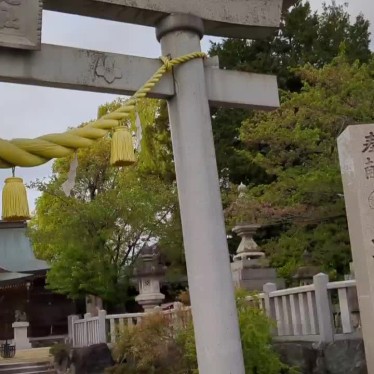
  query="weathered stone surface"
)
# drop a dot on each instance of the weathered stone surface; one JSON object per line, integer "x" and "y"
{"x": 356, "y": 147}
{"x": 250, "y": 269}
{"x": 340, "y": 357}
{"x": 91, "y": 360}
{"x": 20, "y": 23}
{"x": 346, "y": 356}
{"x": 51, "y": 67}
{"x": 300, "y": 355}
{"x": 229, "y": 18}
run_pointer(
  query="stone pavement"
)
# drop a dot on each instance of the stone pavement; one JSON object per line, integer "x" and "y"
{"x": 28, "y": 355}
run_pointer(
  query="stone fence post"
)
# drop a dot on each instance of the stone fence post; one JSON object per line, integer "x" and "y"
{"x": 323, "y": 306}
{"x": 102, "y": 326}
{"x": 86, "y": 316}
{"x": 269, "y": 307}
{"x": 71, "y": 320}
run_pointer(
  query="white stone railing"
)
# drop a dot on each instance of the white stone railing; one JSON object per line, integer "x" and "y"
{"x": 118, "y": 321}
{"x": 106, "y": 328}
{"x": 87, "y": 331}
{"x": 323, "y": 311}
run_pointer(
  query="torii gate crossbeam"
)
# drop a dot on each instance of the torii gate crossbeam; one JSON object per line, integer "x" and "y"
{"x": 52, "y": 67}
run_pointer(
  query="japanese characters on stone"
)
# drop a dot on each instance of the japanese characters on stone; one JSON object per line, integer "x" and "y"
{"x": 368, "y": 147}
{"x": 9, "y": 17}
{"x": 20, "y": 24}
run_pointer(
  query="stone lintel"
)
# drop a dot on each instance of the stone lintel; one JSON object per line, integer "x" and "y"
{"x": 228, "y": 18}
{"x": 123, "y": 75}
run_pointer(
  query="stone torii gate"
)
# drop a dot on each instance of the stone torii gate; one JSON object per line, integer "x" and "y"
{"x": 180, "y": 24}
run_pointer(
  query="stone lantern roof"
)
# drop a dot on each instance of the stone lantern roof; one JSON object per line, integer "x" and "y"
{"x": 149, "y": 262}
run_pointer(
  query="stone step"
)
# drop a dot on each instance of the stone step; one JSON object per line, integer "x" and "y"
{"x": 27, "y": 368}
{"x": 24, "y": 371}
{"x": 36, "y": 372}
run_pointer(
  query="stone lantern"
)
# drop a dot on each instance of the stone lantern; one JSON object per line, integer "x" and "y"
{"x": 148, "y": 273}
{"x": 250, "y": 269}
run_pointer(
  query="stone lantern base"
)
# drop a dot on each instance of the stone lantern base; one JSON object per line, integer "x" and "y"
{"x": 252, "y": 278}
{"x": 250, "y": 269}
{"x": 150, "y": 301}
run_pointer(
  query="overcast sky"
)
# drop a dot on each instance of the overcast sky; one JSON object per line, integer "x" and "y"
{"x": 46, "y": 110}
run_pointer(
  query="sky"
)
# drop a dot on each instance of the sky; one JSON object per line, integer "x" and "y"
{"x": 48, "y": 110}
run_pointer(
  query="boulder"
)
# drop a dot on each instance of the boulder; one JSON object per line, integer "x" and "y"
{"x": 340, "y": 357}
{"x": 300, "y": 355}
{"x": 345, "y": 356}
{"x": 91, "y": 360}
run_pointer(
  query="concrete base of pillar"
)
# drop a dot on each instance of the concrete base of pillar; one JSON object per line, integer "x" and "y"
{"x": 21, "y": 340}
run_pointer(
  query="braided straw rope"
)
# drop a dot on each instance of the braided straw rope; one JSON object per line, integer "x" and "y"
{"x": 35, "y": 152}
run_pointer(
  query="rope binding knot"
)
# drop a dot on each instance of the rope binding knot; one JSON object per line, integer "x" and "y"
{"x": 166, "y": 60}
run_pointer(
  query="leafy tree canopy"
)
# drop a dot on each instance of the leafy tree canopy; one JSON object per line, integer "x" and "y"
{"x": 295, "y": 147}
{"x": 304, "y": 37}
{"x": 93, "y": 237}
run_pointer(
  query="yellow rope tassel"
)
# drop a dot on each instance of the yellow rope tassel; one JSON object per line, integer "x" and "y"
{"x": 15, "y": 206}
{"x": 122, "y": 153}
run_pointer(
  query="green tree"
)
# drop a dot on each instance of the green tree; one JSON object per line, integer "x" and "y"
{"x": 157, "y": 154}
{"x": 304, "y": 37}
{"x": 93, "y": 237}
{"x": 296, "y": 148}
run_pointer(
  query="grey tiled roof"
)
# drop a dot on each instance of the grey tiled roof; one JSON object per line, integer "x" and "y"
{"x": 11, "y": 277}
{"x": 16, "y": 253}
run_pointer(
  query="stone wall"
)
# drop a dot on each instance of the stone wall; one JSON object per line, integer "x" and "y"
{"x": 340, "y": 357}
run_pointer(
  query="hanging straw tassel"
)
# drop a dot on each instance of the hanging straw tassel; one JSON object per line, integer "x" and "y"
{"x": 122, "y": 148}
{"x": 15, "y": 206}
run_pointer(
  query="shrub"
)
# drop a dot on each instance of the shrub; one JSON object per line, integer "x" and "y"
{"x": 255, "y": 331}
{"x": 151, "y": 347}
{"x": 60, "y": 351}
{"x": 158, "y": 346}
{"x": 184, "y": 297}
{"x": 61, "y": 356}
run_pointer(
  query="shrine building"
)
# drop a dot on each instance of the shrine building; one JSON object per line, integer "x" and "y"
{"x": 23, "y": 288}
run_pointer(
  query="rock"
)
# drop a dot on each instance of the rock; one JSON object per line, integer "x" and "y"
{"x": 340, "y": 357}
{"x": 91, "y": 360}
{"x": 346, "y": 356}
{"x": 298, "y": 354}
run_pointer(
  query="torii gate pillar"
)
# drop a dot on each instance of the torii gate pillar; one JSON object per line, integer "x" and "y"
{"x": 214, "y": 312}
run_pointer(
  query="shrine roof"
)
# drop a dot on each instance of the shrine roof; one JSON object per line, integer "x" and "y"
{"x": 16, "y": 252}
{"x": 12, "y": 278}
